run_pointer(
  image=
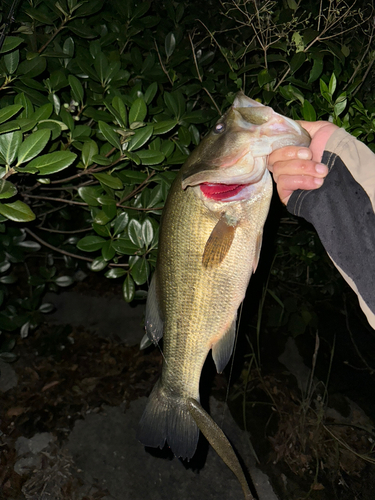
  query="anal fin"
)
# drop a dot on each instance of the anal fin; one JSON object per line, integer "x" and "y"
{"x": 222, "y": 350}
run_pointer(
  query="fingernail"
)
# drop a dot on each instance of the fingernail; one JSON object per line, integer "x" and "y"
{"x": 304, "y": 154}
{"x": 320, "y": 168}
{"x": 318, "y": 181}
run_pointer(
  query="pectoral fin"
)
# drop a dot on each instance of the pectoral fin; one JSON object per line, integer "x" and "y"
{"x": 218, "y": 244}
{"x": 153, "y": 319}
{"x": 222, "y": 350}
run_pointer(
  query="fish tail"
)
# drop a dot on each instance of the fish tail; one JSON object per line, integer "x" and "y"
{"x": 166, "y": 418}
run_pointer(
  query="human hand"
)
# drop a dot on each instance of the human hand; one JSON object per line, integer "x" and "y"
{"x": 294, "y": 167}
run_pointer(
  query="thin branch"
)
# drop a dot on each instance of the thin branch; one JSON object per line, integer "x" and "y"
{"x": 64, "y": 252}
{"x": 139, "y": 209}
{"x": 61, "y": 200}
{"x": 162, "y": 65}
{"x": 64, "y": 232}
{"x": 53, "y": 35}
{"x": 135, "y": 191}
{"x": 90, "y": 170}
{"x": 200, "y": 78}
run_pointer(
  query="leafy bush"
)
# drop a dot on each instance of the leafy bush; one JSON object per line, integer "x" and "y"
{"x": 101, "y": 101}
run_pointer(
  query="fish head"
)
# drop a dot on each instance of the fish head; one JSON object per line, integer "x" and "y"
{"x": 235, "y": 152}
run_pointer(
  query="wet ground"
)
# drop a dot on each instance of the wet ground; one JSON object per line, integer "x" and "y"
{"x": 71, "y": 403}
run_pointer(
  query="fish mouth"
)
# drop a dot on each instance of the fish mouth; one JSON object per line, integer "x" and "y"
{"x": 220, "y": 192}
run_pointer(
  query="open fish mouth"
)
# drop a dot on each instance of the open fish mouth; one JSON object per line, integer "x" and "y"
{"x": 220, "y": 192}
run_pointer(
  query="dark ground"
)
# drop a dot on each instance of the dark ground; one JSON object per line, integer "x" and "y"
{"x": 71, "y": 402}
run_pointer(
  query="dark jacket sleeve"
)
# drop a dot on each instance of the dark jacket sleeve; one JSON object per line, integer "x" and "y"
{"x": 342, "y": 212}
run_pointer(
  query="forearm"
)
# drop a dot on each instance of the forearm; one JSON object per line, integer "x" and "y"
{"x": 342, "y": 212}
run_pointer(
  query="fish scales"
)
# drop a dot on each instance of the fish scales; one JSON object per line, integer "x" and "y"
{"x": 204, "y": 304}
{"x": 209, "y": 244}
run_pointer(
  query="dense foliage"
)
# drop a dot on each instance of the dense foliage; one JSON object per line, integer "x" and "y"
{"x": 100, "y": 102}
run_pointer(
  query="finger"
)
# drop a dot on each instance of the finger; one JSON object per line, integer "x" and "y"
{"x": 286, "y": 184}
{"x": 289, "y": 153}
{"x": 299, "y": 168}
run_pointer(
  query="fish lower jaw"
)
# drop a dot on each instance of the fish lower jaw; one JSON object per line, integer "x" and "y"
{"x": 221, "y": 192}
{"x": 227, "y": 193}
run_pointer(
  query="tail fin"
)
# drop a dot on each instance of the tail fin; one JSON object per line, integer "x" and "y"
{"x": 167, "y": 418}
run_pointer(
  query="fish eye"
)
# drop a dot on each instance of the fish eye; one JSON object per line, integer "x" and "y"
{"x": 219, "y": 128}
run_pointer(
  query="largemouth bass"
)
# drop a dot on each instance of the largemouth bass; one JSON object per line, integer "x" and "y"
{"x": 209, "y": 245}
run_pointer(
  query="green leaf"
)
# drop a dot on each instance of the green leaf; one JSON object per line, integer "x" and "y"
{"x": 109, "y": 180}
{"x": 102, "y": 218}
{"x": 101, "y": 66}
{"x": 323, "y": 87}
{"x": 141, "y": 136}
{"x": 114, "y": 273}
{"x": 308, "y": 112}
{"x": 29, "y": 245}
{"x": 9, "y": 146}
{"x": 147, "y": 232}
{"x": 52, "y": 162}
{"x": 339, "y": 107}
{"x": 17, "y": 211}
{"x": 11, "y": 61}
{"x": 77, "y": 89}
{"x": 101, "y": 160}
{"x": 8, "y": 280}
{"x": 10, "y": 43}
{"x": 297, "y": 60}
{"x": 184, "y": 136}
{"x": 33, "y": 67}
{"x": 108, "y": 252}
{"x": 64, "y": 281}
{"x": 135, "y": 233}
{"x": 264, "y": 77}
{"x": 164, "y": 126}
{"x": 316, "y": 70}
{"x": 138, "y": 111}
{"x": 170, "y": 44}
{"x": 33, "y": 145}
{"x": 9, "y": 111}
{"x": 140, "y": 269}
{"x": 46, "y": 307}
{"x": 150, "y": 92}
{"x": 90, "y": 149}
{"x": 43, "y": 113}
{"x": 89, "y": 194}
{"x": 199, "y": 116}
{"x": 149, "y": 157}
{"x": 90, "y": 243}
{"x": 109, "y": 134}
{"x": 124, "y": 246}
{"x": 106, "y": 200}
{"x": 121, "y": 222}
{"x": 332, "y": 84}
{"x": 7, "y": 189}
{"x": 9, "y": 126}
{"x": 119, "y": 106}
{"x": 128, "y": 289}
{"x": 98, "y": 264}
{"x": 175, "y": 103}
